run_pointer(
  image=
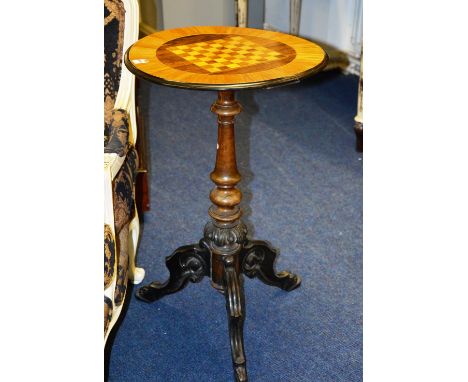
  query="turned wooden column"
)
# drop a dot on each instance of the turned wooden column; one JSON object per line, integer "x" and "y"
{"x": 225, "y": 233}
{"x": 225, "y": 196}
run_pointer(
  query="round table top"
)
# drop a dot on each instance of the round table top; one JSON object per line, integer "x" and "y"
{"x": 221, "y": 58}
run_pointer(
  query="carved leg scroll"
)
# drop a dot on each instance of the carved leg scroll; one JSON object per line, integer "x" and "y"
{"x": 234, "y": 293}
{"x": 259, "y": 259}
{"x": 187, "y": 263}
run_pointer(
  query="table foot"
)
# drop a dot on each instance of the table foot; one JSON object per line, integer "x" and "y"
{"x": 187, "y": 263}
{"x": 259, "y": 259}
{"x": 234, "y": 293}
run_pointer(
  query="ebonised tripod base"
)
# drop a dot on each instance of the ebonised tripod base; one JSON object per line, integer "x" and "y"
{"x": 192, "y": 262}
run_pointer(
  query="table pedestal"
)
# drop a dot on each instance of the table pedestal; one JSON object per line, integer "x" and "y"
{"x": 224, "y": 253}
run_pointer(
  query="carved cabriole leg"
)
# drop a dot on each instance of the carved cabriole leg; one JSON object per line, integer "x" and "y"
{"x": 234, "y": 293}
{"x": 258, "y": 260}
{"x": 187, "y": 263}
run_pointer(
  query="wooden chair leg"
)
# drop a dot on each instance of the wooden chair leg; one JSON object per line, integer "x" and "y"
{"x": 142, "y": 193}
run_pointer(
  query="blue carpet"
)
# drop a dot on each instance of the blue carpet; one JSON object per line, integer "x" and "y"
{"x": 302, "y": 186}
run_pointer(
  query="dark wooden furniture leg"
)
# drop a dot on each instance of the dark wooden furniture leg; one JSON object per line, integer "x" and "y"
{"x": 225, "y": 233}
{"x": 187, "y": 263}
{"x": 224, "y": 253}
{"x": 142, "y": 195}
{"x": 358, "y": 130}
{"x": 235, "y": 306}
{"x": 258, "y": 260}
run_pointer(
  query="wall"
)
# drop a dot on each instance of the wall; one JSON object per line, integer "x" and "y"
{"x": 166, "y": 14}
{"x": 334, "y": 22}
{"x": 256, "y": 15}
{"x": 181, "y": 13}
{"x": 148, "y": 16}
{"x": 337, "y": 23}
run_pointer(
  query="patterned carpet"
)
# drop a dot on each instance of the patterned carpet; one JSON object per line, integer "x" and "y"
{"x": 302, "y": 187}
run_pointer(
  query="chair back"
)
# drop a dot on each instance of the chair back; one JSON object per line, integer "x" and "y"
{"x": 114, "y": 26}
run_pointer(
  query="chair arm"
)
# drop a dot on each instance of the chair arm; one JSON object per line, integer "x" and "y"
{"x": 126, "y": 95}
{"x": 112, "y": 164}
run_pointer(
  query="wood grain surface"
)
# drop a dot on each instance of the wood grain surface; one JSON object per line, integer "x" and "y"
{"x": 221, "y": 58}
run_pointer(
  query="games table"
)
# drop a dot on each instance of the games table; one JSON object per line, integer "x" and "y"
{"x": 224, "y": 59}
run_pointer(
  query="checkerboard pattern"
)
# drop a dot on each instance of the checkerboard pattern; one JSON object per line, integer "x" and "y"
{"x": 227, "y": 53}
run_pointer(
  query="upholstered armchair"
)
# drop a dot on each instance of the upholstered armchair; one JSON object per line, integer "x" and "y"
{"x": 121, "y": 224}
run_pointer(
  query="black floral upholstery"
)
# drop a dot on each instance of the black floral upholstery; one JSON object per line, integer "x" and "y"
{"x": 122, "y": 267}
{"x": 107, "y": 312}
{"x": 123, "y": 188}
{"x": 116, "y": 133}
{"x": 115, "y": 121}
{"x": 109, "y": 256}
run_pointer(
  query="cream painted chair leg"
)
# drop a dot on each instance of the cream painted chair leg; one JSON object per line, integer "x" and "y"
{"x": 242, "y": 11}
{"x": 294, "y": 16}
{"x": 358, "y": 125}
{"x": 135, "y": 274}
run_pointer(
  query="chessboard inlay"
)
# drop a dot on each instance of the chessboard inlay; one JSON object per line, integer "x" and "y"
{"x": 230, "y": 52}
{"x": 219, "y": 54}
